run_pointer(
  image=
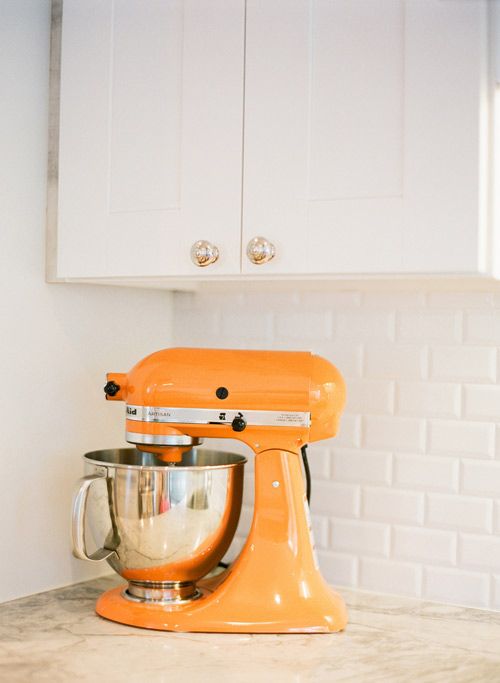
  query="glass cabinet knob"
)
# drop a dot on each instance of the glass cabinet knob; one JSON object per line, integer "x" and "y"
{"x": 204, "y": 253}
{"x": 260, "y": 250}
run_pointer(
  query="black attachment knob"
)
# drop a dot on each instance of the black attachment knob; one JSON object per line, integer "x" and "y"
{"x": 239, "y": 423}
{"x": 222, "y": 393}
{"x": 111, "y": 388}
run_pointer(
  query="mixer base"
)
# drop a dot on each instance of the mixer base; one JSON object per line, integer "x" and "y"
{"x": 325, "y": 613}
{"x": 185, "y": 618}
{"x": 274, "y": 586}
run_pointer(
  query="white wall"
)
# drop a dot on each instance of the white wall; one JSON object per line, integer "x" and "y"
{"x": 407, "y": 499}
{"x": 56, "y": 341}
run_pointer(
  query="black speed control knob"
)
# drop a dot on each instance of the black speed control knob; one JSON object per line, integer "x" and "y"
{"x": 111, "y": 388}
{"x": 239, "y": 423}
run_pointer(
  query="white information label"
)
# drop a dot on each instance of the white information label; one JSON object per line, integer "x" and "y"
{"x": 261, "y": 418}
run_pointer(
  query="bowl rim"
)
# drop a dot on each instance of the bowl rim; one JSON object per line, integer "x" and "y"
{"x": 87, "y": 457}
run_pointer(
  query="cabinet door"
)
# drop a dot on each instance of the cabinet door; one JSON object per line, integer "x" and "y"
{"x": 365, "y": 135}
{"x": 150, "y": 157}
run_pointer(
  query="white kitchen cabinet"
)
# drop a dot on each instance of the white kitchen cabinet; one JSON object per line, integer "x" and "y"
{"x": 352, "y": 135}
{"x": 365, "y": 135}
{"x": 150, "y": 155}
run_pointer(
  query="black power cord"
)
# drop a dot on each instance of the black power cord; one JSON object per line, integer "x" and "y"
{"x": 307, "y": 472}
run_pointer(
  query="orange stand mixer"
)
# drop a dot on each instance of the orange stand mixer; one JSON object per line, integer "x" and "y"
{"x": 275, "y": 402}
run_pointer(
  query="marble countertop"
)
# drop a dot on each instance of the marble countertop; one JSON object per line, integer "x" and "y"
{"x": 56, "y": 636}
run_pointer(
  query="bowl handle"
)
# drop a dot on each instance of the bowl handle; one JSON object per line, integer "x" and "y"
{"x": 78, "y": 522}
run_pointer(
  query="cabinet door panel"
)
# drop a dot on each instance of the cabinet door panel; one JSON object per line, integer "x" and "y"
{"x": 363, "y": 134}
{"x": 446, "y": 136}
{"x": 355, "y": 86}
{"x": 145, "y": 140}
{"x": 150, "y": 136}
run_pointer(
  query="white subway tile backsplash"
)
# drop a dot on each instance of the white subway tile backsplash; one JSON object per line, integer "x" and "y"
{"x": 459, "y": 512}
{"x": 482, "y": 552}
{"x": 359, "y": 536}
{"x": 350, "y": 431}
{"x": 320, "y": 531}
{"x": 495, "y": 598}
{"x": 460, "y": 300}
{"x": 407, "y": 498}
{"x": 195, "y": 327}
{"x": 371, "y": 467}
{"x": 391, "y": 361}
{"x": 319, "y": 459}
{"x": 393, "y": 433}
{"x": 247, "y": 325}
{"x": 428, "y": 327}
{"x": 482, "y": 402}
{"x": 426, "y": 472}
{"x": 364, "y": 326}
{"x": 481, "y": 478}
{"x": 463, "y": 363}
{"x": 370, "y": 396}
{"x": 248, "y": 487}
{"x": 456, "y": 586}
{"x": 303, "y": 324}
{"x": 329, "y": 301}
{"x": 246, "y": 517}
{"x": 333, "y": 498}
{"x": 389, "y": 505}
{"x": 483, "y": 326}
{"x": 457, "y": 437}
{"x": 262, "y": 301}
{"x": 393, "y": 300}
{"x": 428, "y": 399}
{"x": 387, "y": 576}
{"x": 339, "y": 569}
{"x": 426, "y": 545}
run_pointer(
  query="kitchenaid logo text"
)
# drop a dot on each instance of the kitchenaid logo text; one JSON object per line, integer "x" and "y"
{"x": 152, "y": 414}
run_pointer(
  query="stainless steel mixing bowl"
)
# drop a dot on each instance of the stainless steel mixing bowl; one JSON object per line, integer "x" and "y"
{"x": 160, "y": 526}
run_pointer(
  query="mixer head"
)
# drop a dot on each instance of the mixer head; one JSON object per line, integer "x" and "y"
{"x": 175, "y": 397}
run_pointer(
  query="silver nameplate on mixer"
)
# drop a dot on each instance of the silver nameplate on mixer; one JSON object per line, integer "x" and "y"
{"x": 261, "y": 418}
